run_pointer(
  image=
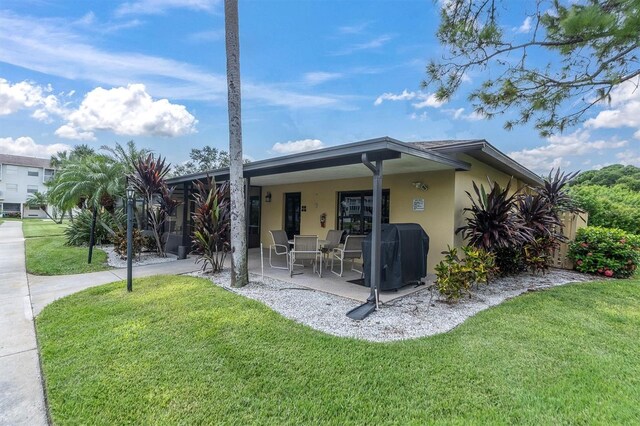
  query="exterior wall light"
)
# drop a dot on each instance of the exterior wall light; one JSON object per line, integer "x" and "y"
{"x": 267, "y": 197}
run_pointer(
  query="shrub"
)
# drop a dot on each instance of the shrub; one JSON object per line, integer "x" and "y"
{"x": 211, "y": 221}
{"x": 107, "y": 224}
{"x": 120, "y": 242}
{"x": 605, "y": 251}
{"x": 611, "y": 207}
{"x": 11, "y": 215}
{"x": 455, "y": 276}
{"x": 493, "y": 223}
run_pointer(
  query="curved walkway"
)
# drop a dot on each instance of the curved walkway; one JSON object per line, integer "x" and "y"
{"x": 22, "y": 297}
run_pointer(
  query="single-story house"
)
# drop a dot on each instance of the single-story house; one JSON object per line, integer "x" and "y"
{"x": 312, "y": 192}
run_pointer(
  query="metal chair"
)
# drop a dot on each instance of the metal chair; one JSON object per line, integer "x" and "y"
{"x": 352, "y": 250}
{"x": 280, "y": 246}
{"x": 305, "y": 247}
{"x": 333, "y": 238}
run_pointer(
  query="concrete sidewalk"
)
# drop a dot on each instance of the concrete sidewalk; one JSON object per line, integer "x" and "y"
{"x": 46, "y": 289}
{"x": 21, "y": 298}
{"x": 21, "y": 393}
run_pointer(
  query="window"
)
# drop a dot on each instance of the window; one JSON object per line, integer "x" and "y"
{"x": 32, "y": 189}
{"x": 10, "y": 170}
{"x": 32, "y": 172}
{"x": 13, "y": 187}
{"x": 48, "y": 174}
{"x": 11, "y": 207}
{"x": 355, "y": 211}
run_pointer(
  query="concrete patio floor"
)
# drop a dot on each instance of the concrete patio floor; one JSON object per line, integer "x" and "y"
{"x": 330, "y": 282}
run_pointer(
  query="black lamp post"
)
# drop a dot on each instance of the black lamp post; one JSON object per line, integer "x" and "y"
{"x": 130, "y": 196}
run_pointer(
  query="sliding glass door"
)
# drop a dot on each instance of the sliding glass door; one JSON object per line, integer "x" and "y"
{"x": 355, "y": 211}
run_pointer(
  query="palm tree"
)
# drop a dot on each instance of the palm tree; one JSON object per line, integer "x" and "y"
{"x": 239, "y": 271}
{"x": 128, "y": 155}
{"x": 91, "y": 181}
{"x": 39, "y": 200}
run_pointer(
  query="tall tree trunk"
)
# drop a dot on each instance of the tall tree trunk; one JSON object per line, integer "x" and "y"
{"x": 239, "y": 272}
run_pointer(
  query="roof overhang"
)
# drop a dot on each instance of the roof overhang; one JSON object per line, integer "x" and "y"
{"x": 337, "y": 162}
{"x": 483, "y": 151}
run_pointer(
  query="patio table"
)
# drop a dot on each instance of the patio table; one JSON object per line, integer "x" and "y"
{"x": 320, "y": 242}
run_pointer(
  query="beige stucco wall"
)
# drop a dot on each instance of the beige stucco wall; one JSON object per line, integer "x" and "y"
{"x": 321, "y": 197}
{"x": 464, "y": 182}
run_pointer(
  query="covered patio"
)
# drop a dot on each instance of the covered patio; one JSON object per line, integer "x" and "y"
{"x": 329, "y": 283}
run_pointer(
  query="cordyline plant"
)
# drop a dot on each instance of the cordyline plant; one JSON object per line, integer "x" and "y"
{"x": 493, "y": 224}
{"x": 554, "y": 192}
{"x": 211, "y": 224}
{"x": 149, "y": 181}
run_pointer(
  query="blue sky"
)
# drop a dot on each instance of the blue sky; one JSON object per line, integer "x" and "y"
{"x": 314, "y": 74}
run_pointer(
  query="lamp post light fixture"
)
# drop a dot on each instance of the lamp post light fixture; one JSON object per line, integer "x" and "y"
{"x": 130, "y": 197}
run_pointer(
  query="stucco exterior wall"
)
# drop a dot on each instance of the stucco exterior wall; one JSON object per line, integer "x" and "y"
{"x": 464, "y": 182}
{"x": 437, "y": 219}
{"x": 15, "y": 184}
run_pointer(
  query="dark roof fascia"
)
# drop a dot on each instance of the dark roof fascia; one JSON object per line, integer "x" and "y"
{"x": 482, "y": 145}
{"x": 512, "y": 164}
{"x": 377, "y": 149}
{"x": 407, "y": 148}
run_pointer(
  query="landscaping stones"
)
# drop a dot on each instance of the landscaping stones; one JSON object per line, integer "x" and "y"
{"x": 146, "y": 258}
{"x": 423, "y": 313}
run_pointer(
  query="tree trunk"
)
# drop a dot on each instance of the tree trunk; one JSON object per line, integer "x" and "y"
{"x": 239, "y": 272}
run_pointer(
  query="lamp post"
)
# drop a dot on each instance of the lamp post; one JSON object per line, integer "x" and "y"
{"x": 130, "y": 196}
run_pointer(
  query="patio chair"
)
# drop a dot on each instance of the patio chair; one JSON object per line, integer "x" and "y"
{"x": 351, "y": 250}
{"x": 280, "y": 247}
{"x": 333, "y": 241}
{"x": 305, "y": 247}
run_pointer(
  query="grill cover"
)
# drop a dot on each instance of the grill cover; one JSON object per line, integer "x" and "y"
{"x": 403, "y": 255}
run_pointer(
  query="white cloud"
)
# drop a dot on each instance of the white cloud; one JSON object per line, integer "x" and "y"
{"x": 210, "y": 35}
{"x": 629, "y": 157}
{"x": 420, "y": 117}
{"x": 559, "y": 147}
{"x": 459, "y": 114}
{"x": 155, "y": 7}
{"x": 368, "y": 45}
{"x": 424, "y": 99}
{"x": 293, "y": 147}
{"x": 430, "y": 101}
{"x": 28, "y": 147}
{"x": 624, "y": 109}
{"x": 126, "y": 111}
{"x": 354, "y": 29}
{"x": 526, "y": 26}
{"x": 27, "y": 95}
{"x": 319, "y": 77}
{"x": 52, "y": 47}
{"x": 67, "y": 131}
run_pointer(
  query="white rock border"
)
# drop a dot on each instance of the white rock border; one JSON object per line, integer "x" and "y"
{"x": 420, "y": 314}
{"x": 146, "y": 258}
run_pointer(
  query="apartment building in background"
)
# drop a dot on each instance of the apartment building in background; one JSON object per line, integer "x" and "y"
{"x": 20, "y": 177}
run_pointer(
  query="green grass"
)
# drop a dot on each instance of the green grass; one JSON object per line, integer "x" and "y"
{"x": 47, "y": 253}
{"x": 179, "y": 350}
{"x": 42, "y": 228}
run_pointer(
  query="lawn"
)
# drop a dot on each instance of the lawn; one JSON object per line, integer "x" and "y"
{"x": 47, "y": 253}
{"x": 179, "y": 350}
{"x": 42, "y": 228}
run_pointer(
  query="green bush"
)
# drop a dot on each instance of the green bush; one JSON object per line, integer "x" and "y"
{"x": 107, "y": 224}
{"x": 455, "y": 276}
{"x": 605, "y": 251}
{"x": 612, "y": 207}
{"x": 120, "y": 242}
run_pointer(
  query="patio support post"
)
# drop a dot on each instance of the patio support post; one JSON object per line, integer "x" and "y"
{"x": 247, "y": 207}
{"x": 376, "y": 225}
{"x": 185, "y": 214}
